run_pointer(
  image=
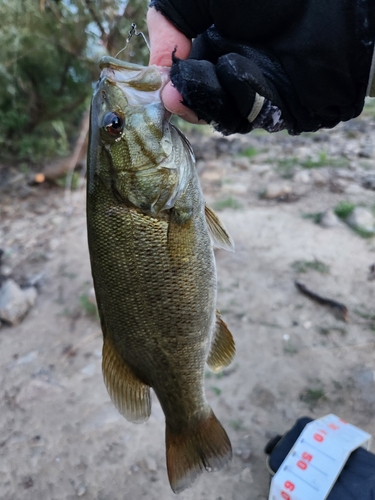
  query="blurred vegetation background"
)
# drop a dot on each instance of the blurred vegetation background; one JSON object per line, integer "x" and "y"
{"x": 50, "y": 52}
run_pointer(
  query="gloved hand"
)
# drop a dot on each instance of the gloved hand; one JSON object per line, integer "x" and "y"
{"x": 224, "y": 84}
{"x": 294, "y": 64}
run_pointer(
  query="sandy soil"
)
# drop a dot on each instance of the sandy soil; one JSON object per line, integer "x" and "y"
{"x": 60, "y": 436}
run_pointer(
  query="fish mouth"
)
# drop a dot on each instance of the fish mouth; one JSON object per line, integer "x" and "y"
{"x": 143, "y": 78}
{"x": 117, "y": 64}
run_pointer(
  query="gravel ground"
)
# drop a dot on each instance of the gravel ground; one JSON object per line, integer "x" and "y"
{"x": 60, "y": 436}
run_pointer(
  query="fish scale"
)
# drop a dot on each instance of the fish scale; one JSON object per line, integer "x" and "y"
{"x": 153, "y": 266}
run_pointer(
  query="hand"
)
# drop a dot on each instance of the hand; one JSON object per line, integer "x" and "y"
{"x": 295, "y": 64}
{"x": 164, "y": 39}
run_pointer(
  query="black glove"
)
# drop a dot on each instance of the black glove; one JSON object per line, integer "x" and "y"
{"x": 295, "y": 64}
{"x": 231, "y": 91}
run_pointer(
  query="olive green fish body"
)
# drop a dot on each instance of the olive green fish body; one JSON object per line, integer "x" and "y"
{"x": 153, "y": 268}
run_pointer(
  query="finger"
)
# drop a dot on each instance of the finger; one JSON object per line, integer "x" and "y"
{"x": 164, "y": 39}
{"x": 172, "y": 100}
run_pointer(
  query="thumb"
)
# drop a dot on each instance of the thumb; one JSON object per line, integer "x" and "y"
{"x": 164, "y": 39}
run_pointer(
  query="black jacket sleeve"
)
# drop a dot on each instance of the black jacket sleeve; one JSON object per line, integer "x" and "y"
{"x": 311, "y": 59}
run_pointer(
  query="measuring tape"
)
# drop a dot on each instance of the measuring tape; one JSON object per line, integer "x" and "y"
{"x": 316, "y": 460}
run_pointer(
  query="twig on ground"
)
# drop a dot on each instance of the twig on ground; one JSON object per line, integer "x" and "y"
{"x": 73, "y": 350}
{"x": 340, "y": 310}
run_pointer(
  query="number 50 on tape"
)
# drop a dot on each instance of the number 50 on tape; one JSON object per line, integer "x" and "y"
{"x": 314, "y": 463}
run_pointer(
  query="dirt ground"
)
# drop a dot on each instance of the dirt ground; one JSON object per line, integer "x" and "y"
{"x": 60, "y": 436}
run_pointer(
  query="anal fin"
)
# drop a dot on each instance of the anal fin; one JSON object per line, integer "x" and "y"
{"x": 129, "y": 394}
{"x": 220, "y": 237}
{"x": 223, "y": 348}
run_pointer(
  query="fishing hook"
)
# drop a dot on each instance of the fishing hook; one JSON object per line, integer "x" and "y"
{"x": 133, "y": 32}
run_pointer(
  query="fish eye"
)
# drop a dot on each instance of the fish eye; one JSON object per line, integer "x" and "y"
{"x": 113, "y": 124}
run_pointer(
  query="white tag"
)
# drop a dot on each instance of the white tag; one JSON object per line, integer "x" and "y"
{"x": 318, "y": 456}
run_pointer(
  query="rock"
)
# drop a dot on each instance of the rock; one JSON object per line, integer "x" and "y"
{"x": 81, "y": 490}
{"x": 23, "y": 360}
{"x": 261, "y": 169}
{"x": 368, "y": 181}
{"x": 242, "y": 163}
{"x": 303, "y": 176}
{"x": 276, "y": 190}
{"x": 235, "y": 188}
{"x": 330, "y": 219}
{"x": 31, "y": 295}
{"x": 247, "y": 476}
{"x": 343, "y": 173}
{"x": 354, "y": 189}
{"x": 15, "y": 302}
{"x": 338, "y": 185}
{"x": 319, "y": 177}
{"x": 5, "y": 271}
{"x": 151, "y": 464}
{"x": 361, "y": 218}
{"x": 90, "y": 370}
{"x": 366, "y": 151}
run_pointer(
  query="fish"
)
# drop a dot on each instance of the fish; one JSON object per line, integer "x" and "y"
{"x": 151, "y": 239}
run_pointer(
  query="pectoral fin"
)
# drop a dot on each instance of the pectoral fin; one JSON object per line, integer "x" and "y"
{"x": 223, "y": 347}
{"x": 220, "y": 237}
{"x": 130, "y": 396}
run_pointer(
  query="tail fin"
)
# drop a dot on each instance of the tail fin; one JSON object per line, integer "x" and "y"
{"x": 204, "y": 446}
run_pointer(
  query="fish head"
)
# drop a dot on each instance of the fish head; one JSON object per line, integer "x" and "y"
{"x": 129, "y": 125}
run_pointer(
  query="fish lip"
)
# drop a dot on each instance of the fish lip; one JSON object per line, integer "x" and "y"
{"x": 113, "y": 63}
{"x": 115, "y": 69}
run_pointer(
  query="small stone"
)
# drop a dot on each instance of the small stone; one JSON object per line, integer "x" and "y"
{"x": 366, "y": 151}
{"x": 303, "y": 177}
{"x": 15, "y": 302}
{"x": 236, "y": 188}
{"x": 276, "y": 191}
{"x": 261, "y": 169}
{"x": 30, "y": 294}
{"x": 81, "y": 490}
{"x": 53, "y": 244}
{"x": 343, "y": 173}
{"x": 330, "y": 219}
{"x": 319, "y": 177}
{"x": 353, "y": 188}
{"x": 5, "y": 271}
{"x": 151, "y": 464}
{"x": 243, "y": 453}
{"x": 247, "y": 476}
{"x": 242, "y": 163}
{"x": 361, "y": 218}
{"x": 89, "y": 370}
{"x": 368, "y": 181}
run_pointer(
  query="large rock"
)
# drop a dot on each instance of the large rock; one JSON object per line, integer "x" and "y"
{"x": 15, "y": 302}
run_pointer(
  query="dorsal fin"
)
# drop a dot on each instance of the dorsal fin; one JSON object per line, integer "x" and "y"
{"x": 223, "y": 348}
{"x": 220, "y": 237}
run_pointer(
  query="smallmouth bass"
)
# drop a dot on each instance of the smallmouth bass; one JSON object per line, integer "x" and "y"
{"x": 150, "y": 239}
